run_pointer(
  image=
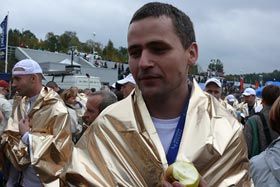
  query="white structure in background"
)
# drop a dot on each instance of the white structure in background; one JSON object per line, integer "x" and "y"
{"x": 80, "y": 81}
{"x": 50, "y": 62}
{"x": 72, "y": 77}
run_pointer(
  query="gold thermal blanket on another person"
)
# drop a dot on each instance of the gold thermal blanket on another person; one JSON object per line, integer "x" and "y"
{"x": 122, "y": 147}
{"x": 49, "y": 138}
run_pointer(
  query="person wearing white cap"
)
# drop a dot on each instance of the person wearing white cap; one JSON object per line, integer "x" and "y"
{"x": 257, "y": 130}
{"x": 37, "y": 138}
{"x": 214, "y": 87}
{"x": 247, "y": 107}
{"x": 127, "y": 85}
{"x": 230, "y": 99}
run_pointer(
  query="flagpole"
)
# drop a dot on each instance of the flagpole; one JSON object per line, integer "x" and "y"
{"x": 7, "y": 38}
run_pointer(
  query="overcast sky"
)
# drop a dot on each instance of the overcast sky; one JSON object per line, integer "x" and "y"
{"x": 244, "y": 35}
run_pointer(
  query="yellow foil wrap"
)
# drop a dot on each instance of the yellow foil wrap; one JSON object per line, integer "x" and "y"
{"x": 122, "y": 147}
{"x": 50, "y": 136}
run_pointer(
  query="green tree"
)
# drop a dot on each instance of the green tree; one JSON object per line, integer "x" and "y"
{"x": 51, "y": 42}
{"x": 29, "y": 40}
{"x": 67, "y": 39}
{"x": 193, "y": 69}
{"x": 14, "y": 37}
{"x": 109, "y": 52}
{"x": 216, "y": 65}
{"x": 122, "y": 54}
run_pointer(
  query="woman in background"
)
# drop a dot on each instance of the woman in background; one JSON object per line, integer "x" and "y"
{"x": 69, "y": 98}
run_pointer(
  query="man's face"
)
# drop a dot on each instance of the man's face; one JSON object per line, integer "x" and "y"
{"x": 92, "y": 111}
{"x": 214, "y": 90}
{"x": 157, "y": 59}
{"x": 250, "y": 99}
{"x": 127, "y": 88}
{"x": 23, "y": 84}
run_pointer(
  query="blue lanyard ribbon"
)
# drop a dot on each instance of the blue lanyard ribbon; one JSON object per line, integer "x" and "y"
{"x": 175, "y": 143}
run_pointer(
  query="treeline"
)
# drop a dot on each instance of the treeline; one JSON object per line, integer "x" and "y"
{"x": 61, "y": 43}
{"x": 251, "y": 78}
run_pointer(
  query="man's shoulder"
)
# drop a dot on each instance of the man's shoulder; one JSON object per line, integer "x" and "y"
{"x": 50, "y": 98}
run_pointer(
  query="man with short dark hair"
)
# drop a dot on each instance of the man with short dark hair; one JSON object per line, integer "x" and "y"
{"x": 164, "y": 120}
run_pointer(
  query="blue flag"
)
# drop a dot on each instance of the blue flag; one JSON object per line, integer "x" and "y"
{"x": 3, "y": 38}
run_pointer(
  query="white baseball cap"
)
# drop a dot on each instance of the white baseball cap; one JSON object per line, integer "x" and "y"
{"x": 249, "y": 91}
{"x": 231, "y": 98}
{"x": 29, "y": 66}
{"x": 214, "y": 80}
{"x": 128, "y": 78}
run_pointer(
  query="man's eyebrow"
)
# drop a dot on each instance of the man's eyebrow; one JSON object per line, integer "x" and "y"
{"x": 152, "y": 43}
{"x": 133, "y": 47}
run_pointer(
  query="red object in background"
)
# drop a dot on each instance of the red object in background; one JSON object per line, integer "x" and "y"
{"x": 256, "y": 84}
{"x": 241, "y": 80}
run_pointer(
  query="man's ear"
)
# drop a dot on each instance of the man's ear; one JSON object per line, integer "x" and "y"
{"x": 34, "y": 77}
{"x": 193, "y": 54}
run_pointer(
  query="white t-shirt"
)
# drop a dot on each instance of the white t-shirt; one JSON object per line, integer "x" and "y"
{"x": 165, "y": 129}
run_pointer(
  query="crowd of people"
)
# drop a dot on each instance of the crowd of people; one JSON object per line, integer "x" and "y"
{"x": 129, "y": 133}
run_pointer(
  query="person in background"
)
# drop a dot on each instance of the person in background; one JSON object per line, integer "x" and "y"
{"x": 80, "y": 106}
{"x": 96, "y": 103}
{"x": 93, "y": 90}
{"x": 165, "y": 119}
{"x": 105, "y": 88}
{"x": 5, "y": 112}
{"x": 69, "y": 98}
{"x": 230, "y": 99}
{"x": 55, "y": 87}
{"x": 214, "y": 87}
{"x": 115, "y": 87}
{"x": 37, "y": 138}
{"x": 257, "y": 130}
{"x": 247, "y": 108}
{"x": 5, "y": 105}
{"x": 2, "y": 180}
{"x": 87, "y": 91}
{"x": 127, "y": 85}
{"x": 264, "y": 168}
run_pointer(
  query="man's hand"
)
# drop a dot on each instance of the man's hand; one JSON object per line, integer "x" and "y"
{"x": 23, "y": 126}
{"x": 202, "y": 183}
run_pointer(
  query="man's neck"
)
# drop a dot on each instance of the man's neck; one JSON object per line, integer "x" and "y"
{"x": 167, "y": 107}
{"x": 251, "y": 104}
{"x": 35, "y": 92}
